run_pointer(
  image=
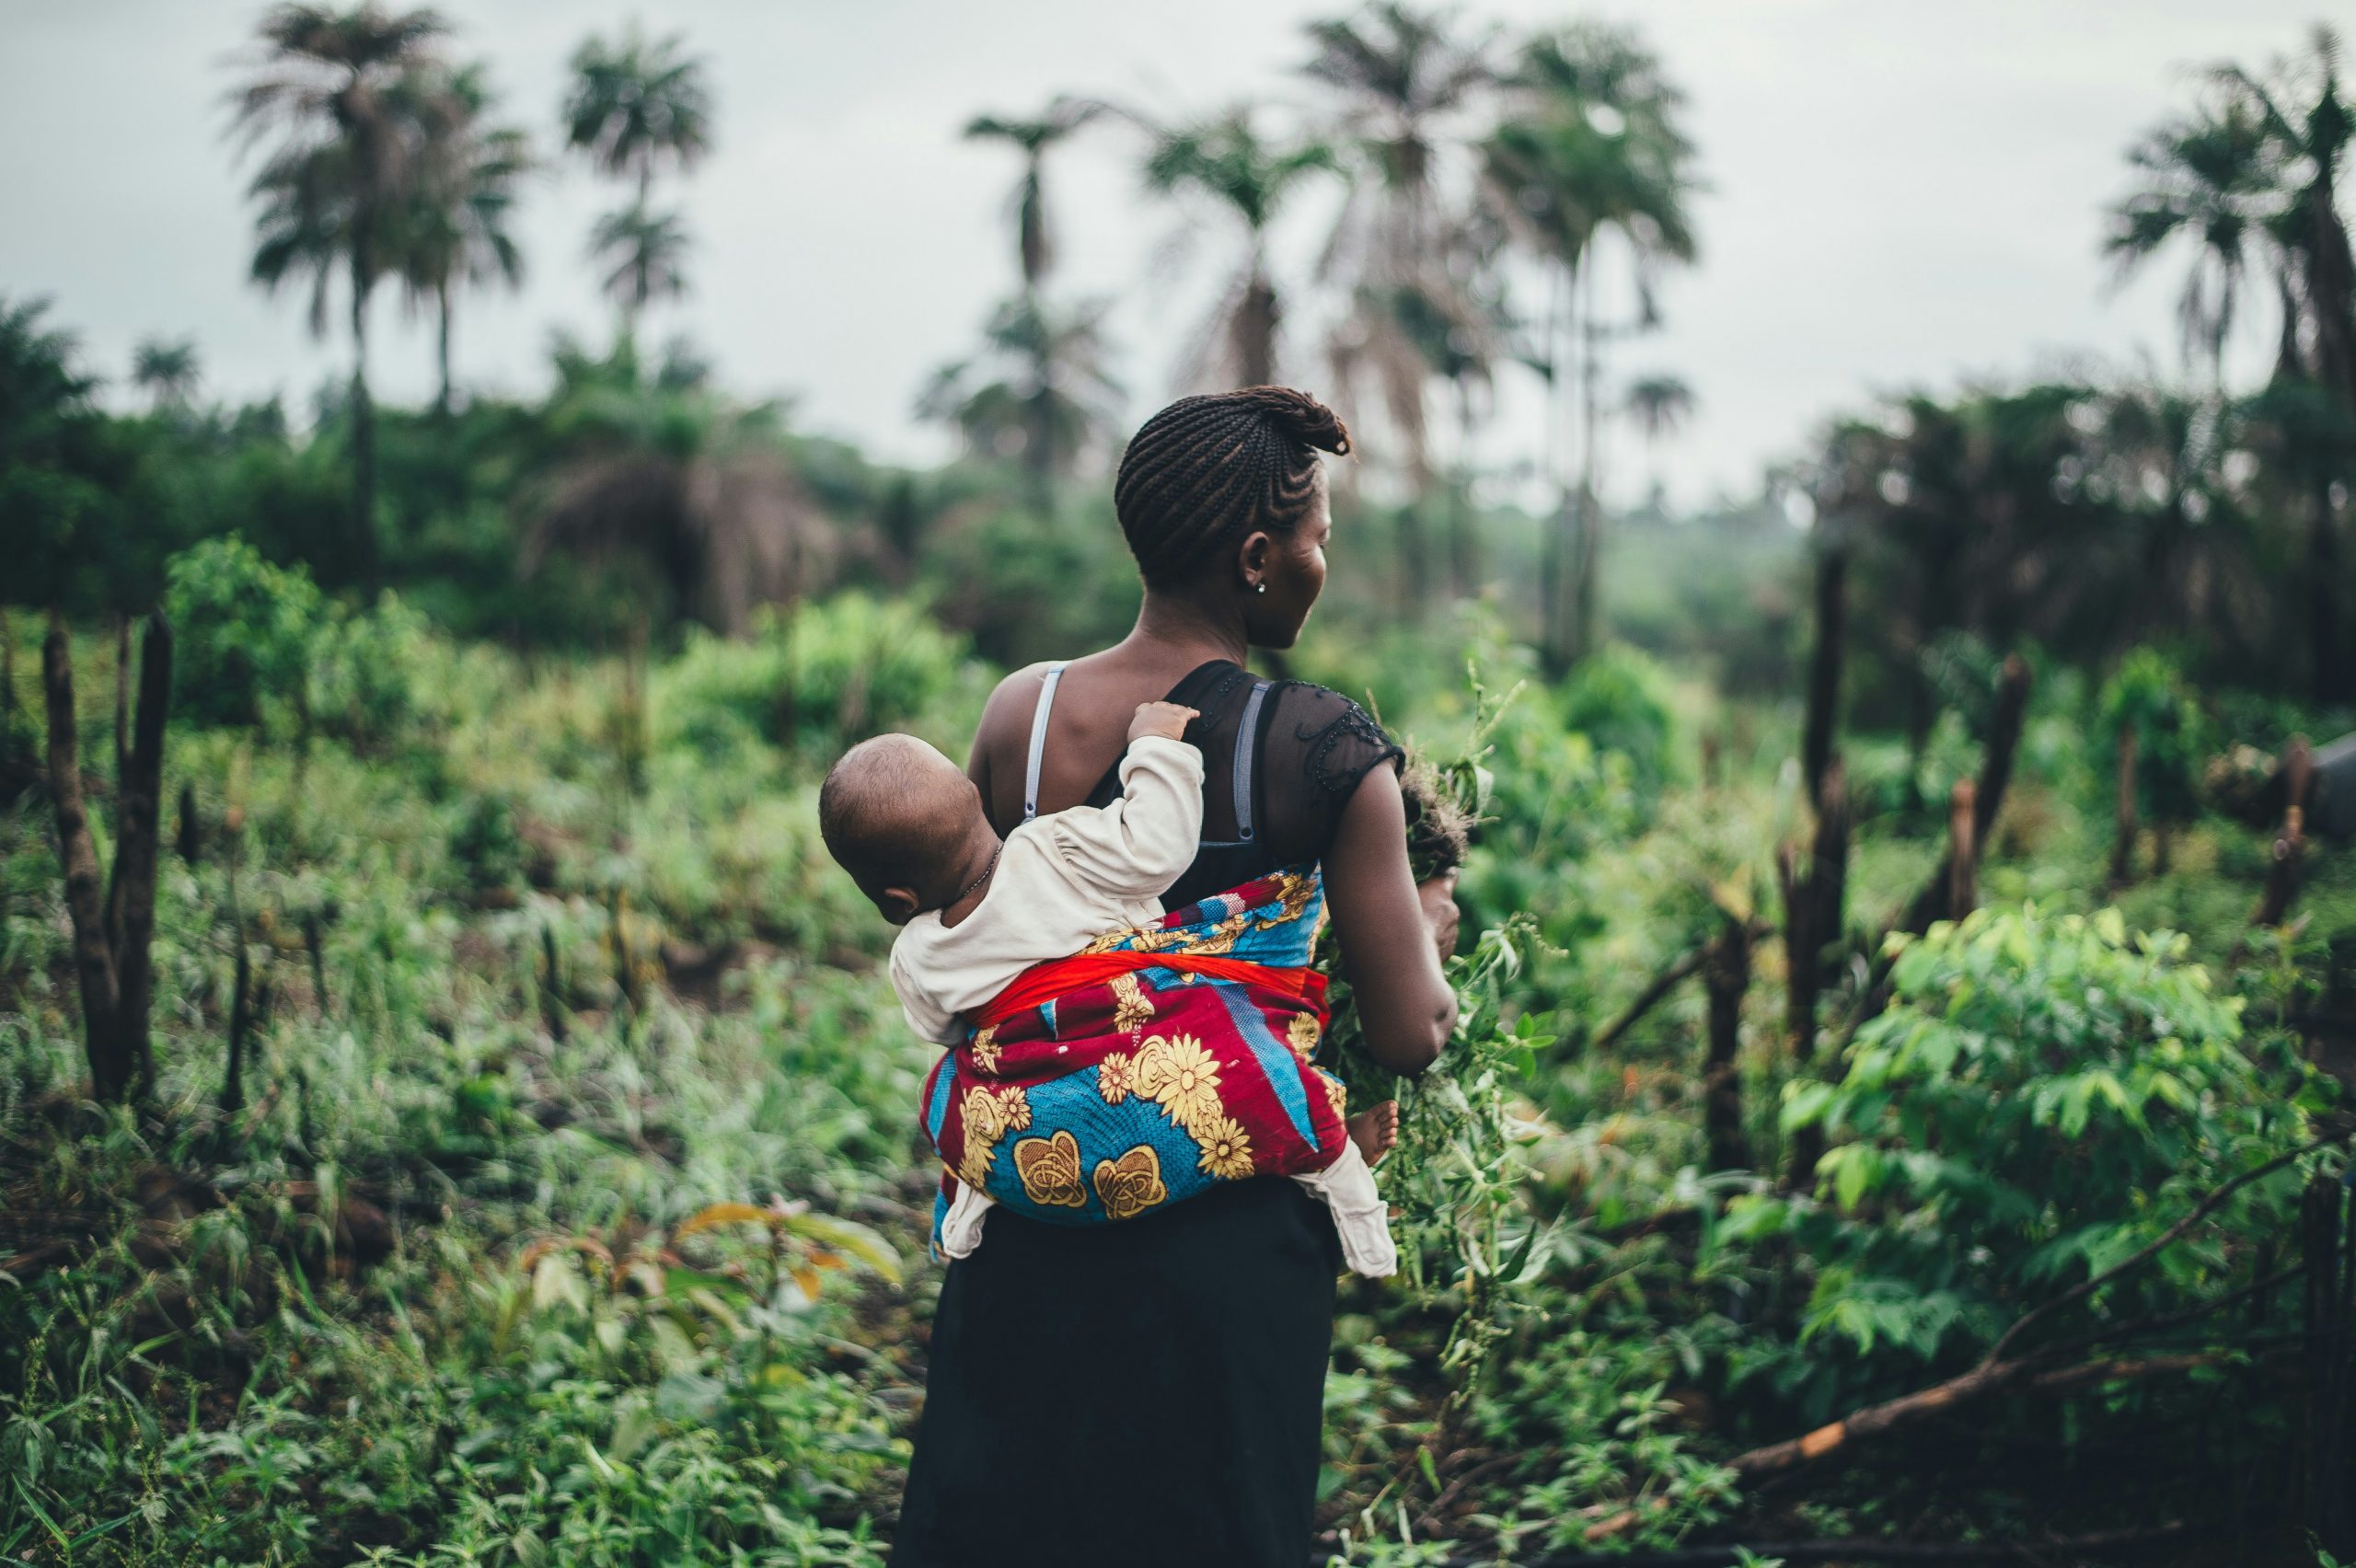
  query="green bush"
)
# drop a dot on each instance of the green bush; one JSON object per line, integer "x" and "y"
{"x": 817, "y": 675}
{"x": 1619, "y": 700}
{"x": 2043, "y": 1097}
{"x": 243, "y": 633}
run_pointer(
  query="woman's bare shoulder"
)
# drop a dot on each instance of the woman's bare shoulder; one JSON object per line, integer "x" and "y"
{"x": 1011, "y": 702}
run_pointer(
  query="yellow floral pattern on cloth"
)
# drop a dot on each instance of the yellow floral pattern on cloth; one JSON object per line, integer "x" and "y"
{"x": 990, "y": 1115}
{"x": 1131, "y": 1185}
{"x": 1050, "y": 1172}
{"x": 1227, "y": 1148}
{"x": 986, "y": 1048}
{"x": 1303, "y": 1035}
{"x": 1335, "y": 1092}
{"x": 1295, "y": 889}
{"x": 1180, "y": 1073}
{"x": 1130, "y": 1009}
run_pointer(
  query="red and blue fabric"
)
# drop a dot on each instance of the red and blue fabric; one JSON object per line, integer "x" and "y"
{"x": 1153, "y": 1066}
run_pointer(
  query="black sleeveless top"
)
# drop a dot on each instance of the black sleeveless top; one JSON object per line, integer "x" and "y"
{"x": 1150, "y": 1393}
{"x": 1280, "y": 761}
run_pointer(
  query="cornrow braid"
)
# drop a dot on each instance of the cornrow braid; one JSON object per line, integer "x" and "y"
{"x": 1205, "y": 472}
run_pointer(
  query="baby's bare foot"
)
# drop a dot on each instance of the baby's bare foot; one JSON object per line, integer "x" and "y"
{"x": 1375, "y": 1130}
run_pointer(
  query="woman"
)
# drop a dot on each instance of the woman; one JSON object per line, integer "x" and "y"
{"x": 1149, "y": 1393}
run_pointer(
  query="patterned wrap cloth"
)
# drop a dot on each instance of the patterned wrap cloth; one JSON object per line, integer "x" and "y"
{"x": 1147, "y": 1068}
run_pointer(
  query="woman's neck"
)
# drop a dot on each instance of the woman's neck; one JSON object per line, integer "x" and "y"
{"x": 1173, "y": 623}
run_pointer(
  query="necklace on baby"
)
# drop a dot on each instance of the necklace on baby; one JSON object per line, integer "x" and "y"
{"x": 983, "y": 877}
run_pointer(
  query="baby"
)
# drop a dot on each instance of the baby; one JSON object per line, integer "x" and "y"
{"x": 975, "y": 913}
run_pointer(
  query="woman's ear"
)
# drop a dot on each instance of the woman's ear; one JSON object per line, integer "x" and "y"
{"x": 1251, "y": 559}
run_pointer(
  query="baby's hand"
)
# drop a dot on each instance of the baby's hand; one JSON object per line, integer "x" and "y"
{"x": 1166, "y": 719}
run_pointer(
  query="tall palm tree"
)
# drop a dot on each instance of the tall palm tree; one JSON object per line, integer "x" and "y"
{"x": 350, "y": 100}
{"x": 1034, "y": 238}
{"x": 1226, "y": 160}
{"x": 2309, "y": 124}
{"x": 166, "y": 370}
{"x": 456, "y": 222}
{"x": 2202, "y": 183}
{"x": 2262, "y": 156}
{"x": 647, "y": 251}
{"x": 1041, "y": 389}
{"x": 1402, "y": 83}
{"x": 1658, "y": 404}
{"x": 1592, "y": 145}
{"x": 636, "y": 104}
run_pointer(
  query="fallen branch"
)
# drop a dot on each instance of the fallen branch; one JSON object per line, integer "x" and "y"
{"x": 2174, "y": 1233}
{"x": 1997, "y": 1370}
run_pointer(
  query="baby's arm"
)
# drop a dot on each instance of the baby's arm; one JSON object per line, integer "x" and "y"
{"x": 1138, "y": 846}
{"x": 925, "y": 1016}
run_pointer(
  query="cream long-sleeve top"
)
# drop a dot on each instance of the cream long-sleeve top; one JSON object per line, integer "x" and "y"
{"x": 1062, "y": 881}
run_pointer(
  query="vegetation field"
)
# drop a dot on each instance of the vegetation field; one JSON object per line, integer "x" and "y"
{"x": 452, "y": 1110}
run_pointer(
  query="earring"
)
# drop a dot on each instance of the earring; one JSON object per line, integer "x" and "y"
{"x": 1260, "y": 588}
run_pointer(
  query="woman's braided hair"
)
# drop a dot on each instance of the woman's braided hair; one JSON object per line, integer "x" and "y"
{"x": 1205, "y": 472}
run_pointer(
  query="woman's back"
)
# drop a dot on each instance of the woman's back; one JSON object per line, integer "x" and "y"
{"x": 1280, "y": 761}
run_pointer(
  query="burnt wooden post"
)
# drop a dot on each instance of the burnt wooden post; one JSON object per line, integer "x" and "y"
{"x": 2289, "y": 846}
{"x": 2122, "y": 850}
{"x": 1815, "y": 913}
{"x": 233, "y": 1083}
{"x": 1936, "y": 901}
{"x": 1824, "y": 669}
{"x": 1725, "y": 972}
{"x": 192, "y": 833}
{"x": 551, "y": 985}
{"x": 121, "y": 700}
{"x": 113, "y": 931}
{"x": 1963, "y": 850}
{"x": 2328, "y": 1241}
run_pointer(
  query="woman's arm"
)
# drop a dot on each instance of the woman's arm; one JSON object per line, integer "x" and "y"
{"x": 1390, "y": 931}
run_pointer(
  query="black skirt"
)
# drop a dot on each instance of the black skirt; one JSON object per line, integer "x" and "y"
{"x": 1148, "y": 1394}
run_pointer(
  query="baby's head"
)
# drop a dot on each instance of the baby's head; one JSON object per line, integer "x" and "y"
{"x": 902, "y": 820}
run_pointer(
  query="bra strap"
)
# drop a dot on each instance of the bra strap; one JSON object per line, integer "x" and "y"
{"x": 1039, "y": 739}
{"x": 1246, "y": 736}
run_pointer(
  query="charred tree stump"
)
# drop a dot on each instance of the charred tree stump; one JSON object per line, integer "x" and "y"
{"x": 1815, "y": 914}
{"x": 111, "y": 932}
{"x": 1725, "y": 973}
{"x": 121, "y": 700}
{"x": 1936, "y": 901}
{"x": 191, "y": 838}
{"x": 551, "y": 986}
{"x": 233, "y": 1083}
{"x": 2290, "y": 845}
{"x": 2327, "y": 1237}
{"x": 1963, "y": 851}
{"x": 1824, "y": 669}
{"x": 2122, "y": 848}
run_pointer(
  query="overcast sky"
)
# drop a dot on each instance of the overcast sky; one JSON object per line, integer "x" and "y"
{"x": 1900, "y": 195}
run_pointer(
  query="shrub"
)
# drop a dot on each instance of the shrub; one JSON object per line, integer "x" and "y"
{"x": 1619, "y": 700}
{"x": 243, "y": 630}
{"x": 2043, "y": 1097}
{"x": 819, "y": 675}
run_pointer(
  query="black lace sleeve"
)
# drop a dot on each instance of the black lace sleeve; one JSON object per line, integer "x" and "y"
{"x": 1320, "y": 745}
